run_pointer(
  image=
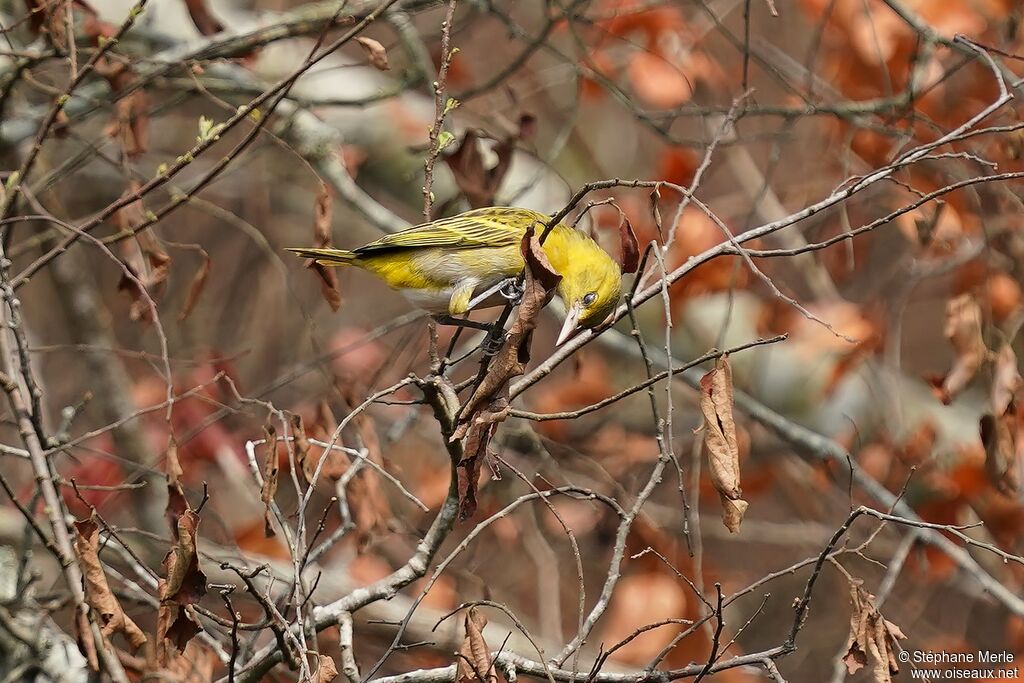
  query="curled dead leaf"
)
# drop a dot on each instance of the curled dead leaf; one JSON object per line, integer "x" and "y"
{"x": 375, "y": 53}
{"x": 300, "y": 442}
{"x": 145, "y": 258}
{"x": 478, "y": 183}
{"x": 488, "y": 404}
{"x": 630, "y": 247}
{"x": 871, "y": 634}
{"x": 270, "y": 476}
{"x": 326, "y": 670}
{"x": 197, "y": 286}
{"x": 964, "y": 331}
{"x": 1006, "y": 379}
{"x": 130, "y": 123}
{"x": 185, "y": 583}
{"x": 322, "y": 212}
{"x": 203, "y": 18}
{"x": 173, "y": 466}
{"x": 1003, "y": 438}
{"x": 720, "y": 442}
{"x": 474, "y": 661}
{"x": 336, "y": 462}
{"x": 101, "y": 599}
{"x": 323, "y": 209}
{"x": 369, "y": 505}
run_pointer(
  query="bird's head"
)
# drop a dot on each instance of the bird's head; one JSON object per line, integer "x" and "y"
{"x": 590, "y": 287}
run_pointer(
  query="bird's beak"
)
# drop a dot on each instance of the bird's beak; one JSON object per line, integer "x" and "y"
{"x": 570, "y": 325}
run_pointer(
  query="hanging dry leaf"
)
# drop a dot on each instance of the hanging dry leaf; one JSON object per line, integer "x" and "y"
{"x": 375, "y": 53}
{"x": 630, "y": 247}
{"x": 304, "y": 456}
{"x": 326, "y": 670}
{"x": 36, "y": 15}
{"x": 474, "y": 660}
{"x": 130, "y": 123}
{"x": 1006, "y": 380}
{"x": 111, "y": 616}
{"x": 488, "y": 405}
{"x": 336, "y": 462}
{"x": 871, "y": 634}
{"x": 322, "y": 212}
{"x": 270, "y": 474}
{"x": 963, "y": 329}
{"x": 367, "y": 502}
{"x": 203, "y": 18}
{"x": 478, "y": 183}
{"x": 720, "y": 443}
{"x": 145, "y": 258}
{"x": 197, "y": 286}
{"x": 1003, "y": 440}
{"x": 173, "y": 466}
{"x": 185, "y": 583}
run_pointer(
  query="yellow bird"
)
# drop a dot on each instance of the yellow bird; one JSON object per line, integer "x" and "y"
{"x": 454, "y": 264}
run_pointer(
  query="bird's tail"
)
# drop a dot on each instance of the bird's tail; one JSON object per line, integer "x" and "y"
{"x": 326, "y": 257}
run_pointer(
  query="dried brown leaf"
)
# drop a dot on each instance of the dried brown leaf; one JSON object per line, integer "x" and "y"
{"x": 101, "y": 599}
{"x": 488, "y": 405}
{"x": 270, "y": 475}
{"x": 872, "y": 638}
{"x": 185, "y": 583}
{"x": 367, "y": 502}
{"x": 145, "y": 258}
{"x": 964, "y": 331}
{"x": 94, "y": 28}
{"x": 720, "y": 443}
{"x": 375, "y": 53}
{"x": 326, "y": 670}
{"x": 478, "y": 183}
{"x": 328, "y": 284}
{"x": 196, "y": 288}
{"x": 36, "y": 15}
{"x": 474, "y": 661}
{"x": 322, "y": 212}
{"x": 630, "y": 247}
{"x": 130, "y": 123}
{"x": 173, "y": 466}
{"x": 336, "y": 462}
{"x": 203, "y": 18}
{"x": 1002, "y": 437}
{"x": 472, "y": 178}
{"x": 732, "y": 512}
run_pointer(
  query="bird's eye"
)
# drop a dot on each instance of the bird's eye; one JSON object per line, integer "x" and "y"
{"x": 589, "y": 299}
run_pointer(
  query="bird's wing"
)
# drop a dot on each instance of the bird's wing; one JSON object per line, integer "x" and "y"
{"x": 491, "y": 227}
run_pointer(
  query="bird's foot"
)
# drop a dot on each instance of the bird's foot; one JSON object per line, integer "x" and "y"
{"x": 512, "y": 290}
{"x": 494, "y": 341}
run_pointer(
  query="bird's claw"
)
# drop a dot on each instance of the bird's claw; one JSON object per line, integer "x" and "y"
{"x": 512, "y": 291}
{"x": 493, "y": 343}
